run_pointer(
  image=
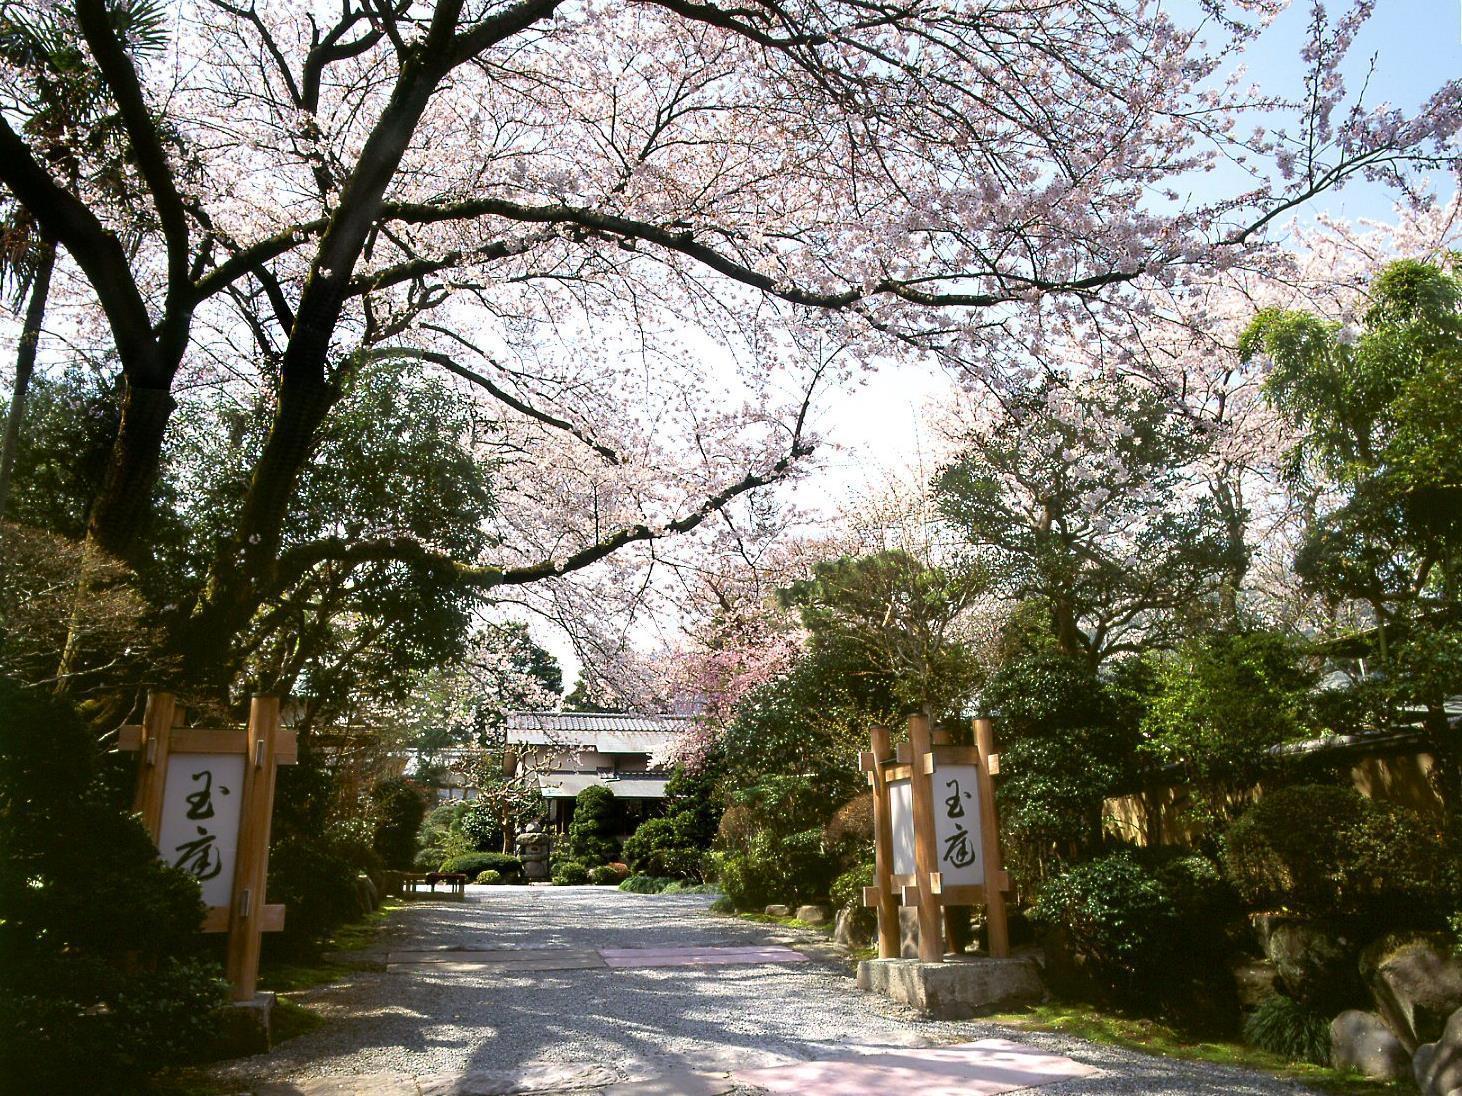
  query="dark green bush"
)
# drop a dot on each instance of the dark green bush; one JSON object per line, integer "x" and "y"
{"x": 489, "y": 878}
{"x": 846, "y": 892}
{"x": 666, "y": 846}
{"x": 606, "y": 875}
{"x": 315, "y": 879}
{"x": 99, "y": 986}
{"x": 795, "y": 868}
{"x": 570, "y": 873}
{"x": 1295, "y": 1032}
{"x": 590, "y": 839}
{"x": 644, "y": 884}
{"x": 397, "y": 808}
{"x": 1117, "y": 916}
{"x": 1323, "y": 850}
{"x": 479, "y": 824}
{"x": 1068, "y": 742}
{"x": 473, "y": 864}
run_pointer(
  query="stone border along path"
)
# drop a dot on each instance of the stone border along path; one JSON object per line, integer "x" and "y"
{"x": 433, "y": 1022}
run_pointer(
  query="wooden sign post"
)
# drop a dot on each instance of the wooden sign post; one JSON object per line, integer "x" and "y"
{"x": 206, "y": 798}
{"x": 937, "y": 840}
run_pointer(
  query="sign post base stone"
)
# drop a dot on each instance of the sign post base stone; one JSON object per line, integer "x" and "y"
{"x": 245, "y": 1027}
{"x": 958, "y": 988}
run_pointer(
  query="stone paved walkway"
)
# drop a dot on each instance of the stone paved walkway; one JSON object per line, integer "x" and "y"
{"x": 540, "y": 1011}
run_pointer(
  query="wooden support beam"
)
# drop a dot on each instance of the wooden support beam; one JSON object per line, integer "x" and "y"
{"x": 995, "y": 919}
{"x": 154, "y": 743}
{"x": 246, "y": 914}
{"x": 888, "y": 905}
{"x": 926, "y": 855}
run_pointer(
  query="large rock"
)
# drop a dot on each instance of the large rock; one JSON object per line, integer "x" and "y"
{"x": 1315, "y": 960}
{"x": 1254, "y": 981}
{"x": 812, "y": 915}
{"x": 855, "y": 928}
{"x": 778, "y": 911}
{"x": 1362, "y": 1041}
{"x": 1415, "y": 982}
{"x": 1437, "y": 1066}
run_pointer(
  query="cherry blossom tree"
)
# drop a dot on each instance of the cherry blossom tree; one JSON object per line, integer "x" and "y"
{"x": 536, "y": 195}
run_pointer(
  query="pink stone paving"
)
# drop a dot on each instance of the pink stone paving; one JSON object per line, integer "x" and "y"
{"x": 981, "y": 1068}
{"x": 697, "y": 957}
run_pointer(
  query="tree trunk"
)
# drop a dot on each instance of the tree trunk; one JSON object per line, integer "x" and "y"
{"x": 124, "y": 502}
{"x": 243, "y": 572}
{"x": 25, "y": 362}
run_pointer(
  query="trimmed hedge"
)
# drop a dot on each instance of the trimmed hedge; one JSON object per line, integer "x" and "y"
{"x": 570, "y": 873}
{"x": 666, "y": 846}
{"x": 473, "y": 864}
{"x": 608, "y": 875}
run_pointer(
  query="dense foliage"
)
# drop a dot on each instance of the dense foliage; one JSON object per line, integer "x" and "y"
{"x": 399, "y": 807}
{"x": 1067, "y": 742}
{"x": 590, "y": 838}
{"x": 1327, "y": 851}
{"x": 99, "y": 983}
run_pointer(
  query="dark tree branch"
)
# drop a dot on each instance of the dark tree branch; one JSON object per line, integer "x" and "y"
{"x": 498, "y": 393}
{"x": 147, "y": 148}
{"x": 96, "y": 250}
{"x": 296, "y": 562}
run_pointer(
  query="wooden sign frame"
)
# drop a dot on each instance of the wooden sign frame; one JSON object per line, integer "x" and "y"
{"x": 264, "y": 746}
{"x": 918, "y": 761}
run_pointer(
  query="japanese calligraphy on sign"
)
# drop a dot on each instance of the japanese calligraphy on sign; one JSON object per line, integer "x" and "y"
{"x": 200, "y": 820}
{"x": 957, "y": 825}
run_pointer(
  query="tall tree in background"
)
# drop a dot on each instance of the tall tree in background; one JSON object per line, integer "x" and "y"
{"x": 1080, "y": 498}
{"x": 1381, "y": 445}
{"x": 472, "y": 183}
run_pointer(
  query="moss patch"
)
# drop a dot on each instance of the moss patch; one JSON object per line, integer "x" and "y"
{"x": 1152, "y": 1037}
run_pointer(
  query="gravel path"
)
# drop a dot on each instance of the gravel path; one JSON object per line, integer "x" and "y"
{"x": 639, "y": 1023}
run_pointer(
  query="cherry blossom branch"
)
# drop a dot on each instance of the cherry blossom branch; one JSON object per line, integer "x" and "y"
{"x": 498, "y": 393}
{"x": 296, "y": 561}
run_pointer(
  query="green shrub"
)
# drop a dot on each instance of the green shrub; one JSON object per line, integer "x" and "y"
{"x": 397, "y": 808}
{"x": 489, "y": 877}
{"x": 608, "y": 875}
{"x": 846, "y": 892}
{"x": 1067, "y": 743}
{"x": 666, "y": 846}
{"x": 590, "y": 840}
{"x": 795, "y": 868}
{"x": 440, "y": 836}
{"x": 680, "y": 886}
{"x": 315, "y": 880}
{"x": 99, "y": 984}
{"x": 1323, "y": 850}
{"x": 1295, "y": 1032}
{"x": 570, "y": 873}
{"x": 479, "y": 824}
{"x": 473, "y": 864}
{"x": 1116, "y": 915}
{"x": 643, "y": 884}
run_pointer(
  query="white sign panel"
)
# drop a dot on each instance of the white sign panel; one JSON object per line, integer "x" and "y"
{"x": 901, "y": 817}
{"x": 200, "y": 819}
{"x": 957, "y": 845}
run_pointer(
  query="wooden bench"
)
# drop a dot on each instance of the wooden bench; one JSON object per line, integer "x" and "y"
{"x": 412, "y": 882}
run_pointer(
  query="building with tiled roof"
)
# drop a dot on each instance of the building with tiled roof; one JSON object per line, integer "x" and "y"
{"x": 571, "y": 751}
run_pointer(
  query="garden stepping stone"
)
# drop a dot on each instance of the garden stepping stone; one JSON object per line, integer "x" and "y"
{"x": 981, "y": 1068}
{"x": 698, "y": 957}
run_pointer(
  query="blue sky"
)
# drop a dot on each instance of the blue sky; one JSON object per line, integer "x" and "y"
{"x": 1417, "y": 47}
